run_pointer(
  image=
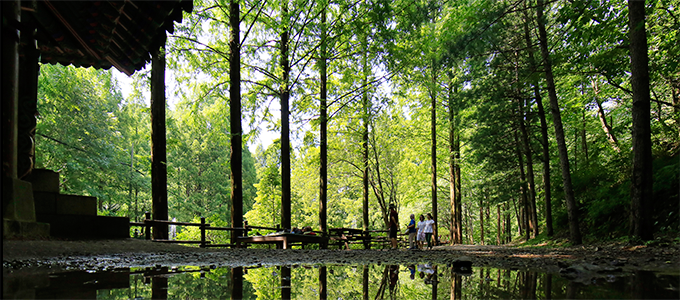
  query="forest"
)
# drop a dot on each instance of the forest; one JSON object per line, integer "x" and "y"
{"x": 507, "y": 120}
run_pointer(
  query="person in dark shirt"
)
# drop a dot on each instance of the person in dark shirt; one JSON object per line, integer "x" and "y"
{"x": 412, "y": 233}
{"x": 394, "y": 226}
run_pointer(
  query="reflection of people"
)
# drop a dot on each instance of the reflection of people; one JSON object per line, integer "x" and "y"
{"x": 412, "y": 233}
{"x": 412, "y": 269}
{"x": 394, "y": 276}
{"x": 421, "y": 232}
{"x": 426, "y": 272}
{"x": 429, "y": 228}
{"x": 394, "y": 223}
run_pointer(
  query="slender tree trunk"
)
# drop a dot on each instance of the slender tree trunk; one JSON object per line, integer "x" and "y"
{"x": 544, "y": 130}
{"x": 433, "y": 124}
{"x": 642, "y": 179}
{"x": 524, "y": 203}
{"x": 603, "y": 120}
{"x": 584, "y": 139}
{"x": 508, "y": 226}
{"x": 323, "y": 155}
{"x": 481, "y": 220}
{"x": 159, "y": 172}
{"x": 285, "y": 123}
{"x": 498, "y": 225}
{"x": 365, "y": 105}
{"x": 533, "y": 216}
{"x": 572, "y": 210}
{"x": 454, "y": 177}
{"x": 236, "y": 160}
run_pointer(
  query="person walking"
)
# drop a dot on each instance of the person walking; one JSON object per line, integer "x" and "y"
{"x": 421, "y": 232}
{"x": 394, "y": 224}
{"x": 412, "y": 233}
{"x": 429, "y": 229}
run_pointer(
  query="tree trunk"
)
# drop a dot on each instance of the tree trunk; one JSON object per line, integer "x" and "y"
{"x": 531, "y": 192}
{"x": 236, "y": 160}
{"x": 159, "y": 172}
{"x": 323, "y": 151}
{"x": 508, "y": 226}
{"x": 603, "y": 120}
{"x": 642, "y": 178}
{"x": 285, "y": 123}
{"x": 572, "y": 210}
{"x": 365, "y": 117}
{"x": 433, "y": 126}
{"x": 454, "y": 177}
{"x": 544, "y": 131}
{"x": 481, "y": 220}
{"x": 524, "y": 203}
{"x": 498, "y": 224}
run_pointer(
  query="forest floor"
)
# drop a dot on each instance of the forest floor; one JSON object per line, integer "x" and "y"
{"x": 577, "y": 262}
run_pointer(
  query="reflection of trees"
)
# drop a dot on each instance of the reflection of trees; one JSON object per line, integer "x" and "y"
{"x": 390, "y": 279}
{"x": 456, "y": 285}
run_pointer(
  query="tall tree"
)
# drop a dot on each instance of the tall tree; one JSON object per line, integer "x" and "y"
{"x": 642, "y": 178}
{"x": 545, "y": 146}
{"x": 572, "y": 210}
{"x": 236, "y": 160}
{"x": 284, "y": 94}
{"x": 323, "y": 116}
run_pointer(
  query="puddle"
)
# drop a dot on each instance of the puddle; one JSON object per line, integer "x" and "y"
{"x": 334, "y": 282}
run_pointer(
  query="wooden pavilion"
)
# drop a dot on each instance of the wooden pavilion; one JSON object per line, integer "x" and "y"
{"x": 100, "y": 34}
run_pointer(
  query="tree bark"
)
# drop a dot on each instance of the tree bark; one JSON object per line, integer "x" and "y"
{"x": 365, "y": 117}
{"x": 544, "y": 131}
{"x": 433, "y": 129}
{"x": 236, "y": 160}
{"x": 481, "y": 219}
{"x": 159, "y": 172}
{"x": 603, "y": 120}
{"x": 524, "y": 203}
{"x": 285, "y": 121}
{"x": 454, "y": 177}
{"x": 498, "y": 224}
{"x": 323, "y": 147}
{"x": 642, "y": 178}
{"x": 572, "y": 209}
{"x": 531, "y": 186}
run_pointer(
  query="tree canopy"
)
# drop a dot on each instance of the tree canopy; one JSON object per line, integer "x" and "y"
{"x": 487, "y": 107}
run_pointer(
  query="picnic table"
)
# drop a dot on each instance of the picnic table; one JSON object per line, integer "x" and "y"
{"x": 282, "y": 240}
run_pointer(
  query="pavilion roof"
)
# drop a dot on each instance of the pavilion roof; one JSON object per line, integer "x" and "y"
{"x": 102, "y": 34}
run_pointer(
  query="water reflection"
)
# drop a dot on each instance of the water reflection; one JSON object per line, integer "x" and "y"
{"x": 416, "y": 281}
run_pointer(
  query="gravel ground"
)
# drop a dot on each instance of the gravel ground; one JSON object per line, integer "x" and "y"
{"x": 51, "y": 256}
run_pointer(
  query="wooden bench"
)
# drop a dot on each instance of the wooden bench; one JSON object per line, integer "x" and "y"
{"x": 282, "y": 240}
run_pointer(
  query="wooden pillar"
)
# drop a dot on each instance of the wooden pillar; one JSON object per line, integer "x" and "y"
{"x": 11, "y": 15}
{"x": 237, "y": 283}
{"x": 29, "y": 70}
{"x": 285, "y": 282}
{"x": 323, "y": 282}
{"x": 159, "y": 172}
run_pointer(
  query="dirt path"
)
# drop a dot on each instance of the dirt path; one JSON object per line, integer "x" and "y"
{"x": 33, "y": 256}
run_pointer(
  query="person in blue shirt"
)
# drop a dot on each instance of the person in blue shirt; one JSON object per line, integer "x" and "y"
{"x": 412, "y": 233}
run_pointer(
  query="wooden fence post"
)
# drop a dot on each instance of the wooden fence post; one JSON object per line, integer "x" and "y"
{"x": 202, "y": 232}
{"x": 147, "y": 225}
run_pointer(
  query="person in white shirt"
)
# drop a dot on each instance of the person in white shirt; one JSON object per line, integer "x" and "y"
{"x": 420, "y": 238}
{"x": 429, "y": 229}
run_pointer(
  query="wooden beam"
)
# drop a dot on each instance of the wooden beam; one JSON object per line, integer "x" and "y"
{"x": 159, "y": 173}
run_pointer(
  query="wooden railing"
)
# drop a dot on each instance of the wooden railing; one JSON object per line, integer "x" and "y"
{"x": 342, "y": 237}
{"x": 148, "y": 223}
